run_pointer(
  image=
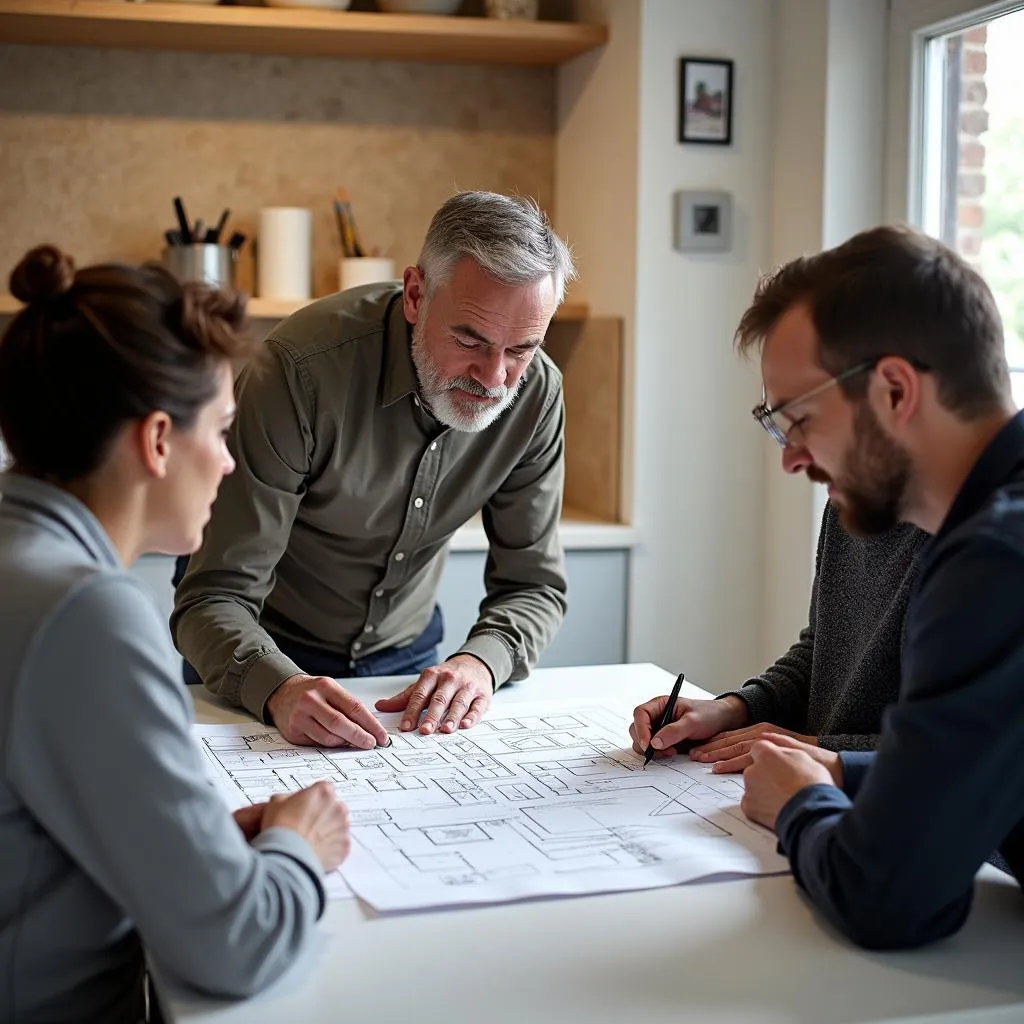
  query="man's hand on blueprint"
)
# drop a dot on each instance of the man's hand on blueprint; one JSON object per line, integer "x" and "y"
{"x": 782, "y": 766}
{"x": 692, "y": 720}
{"x": 320, "y": 711}
{"x": 317, "y": 815}
{"x": 452, "y": 695}
{"x": 730, "y": 751}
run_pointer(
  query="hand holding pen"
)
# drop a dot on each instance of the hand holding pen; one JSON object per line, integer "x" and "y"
{"x": 682, "y": 723}
{"x": 666, "y": 716}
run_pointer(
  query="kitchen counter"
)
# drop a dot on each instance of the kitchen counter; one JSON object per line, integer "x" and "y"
{"x": 577, "y": 532}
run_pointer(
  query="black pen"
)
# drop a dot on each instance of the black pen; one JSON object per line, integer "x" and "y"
{"x": 213, "y": 234}
{"x": 183, "y": 224}
{"x": 666, "y": 716}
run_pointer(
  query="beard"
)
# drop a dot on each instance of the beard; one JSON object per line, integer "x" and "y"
{"x": 872, "y": 489}
{"x": 440, "y": 393}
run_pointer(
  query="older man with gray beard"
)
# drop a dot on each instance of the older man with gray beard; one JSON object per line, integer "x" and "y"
{"x": 385, "y": 417}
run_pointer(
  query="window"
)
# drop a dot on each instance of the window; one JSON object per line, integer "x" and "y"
{"x": 972, "y": 167}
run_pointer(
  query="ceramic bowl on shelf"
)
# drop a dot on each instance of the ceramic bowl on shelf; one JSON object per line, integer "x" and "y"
{"x": 333, "y": 5}
{"x": 419, "y": 6}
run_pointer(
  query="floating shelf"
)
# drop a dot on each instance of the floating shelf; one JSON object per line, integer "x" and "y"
{"x": 278, "y": 309}
{"x": 300, "y": 32}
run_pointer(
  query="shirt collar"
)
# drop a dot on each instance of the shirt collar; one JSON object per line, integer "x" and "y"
{"x": 997, "y": 465}
{"x": 38, "y": 500}
{"x": 399, "y": 371}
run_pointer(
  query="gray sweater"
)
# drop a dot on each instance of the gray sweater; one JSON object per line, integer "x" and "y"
{"x": 844, "y": 670}
{"x": 106, "y": 822}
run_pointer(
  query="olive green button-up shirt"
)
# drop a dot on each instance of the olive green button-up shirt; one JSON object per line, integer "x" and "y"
{"x": 333, "y": 529}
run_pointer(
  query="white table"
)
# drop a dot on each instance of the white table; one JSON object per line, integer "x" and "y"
{"x": 741, "y": 952}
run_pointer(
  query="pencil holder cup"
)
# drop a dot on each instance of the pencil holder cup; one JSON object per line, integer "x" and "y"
{"x": 354, "y": 271}
{"x": 202, "y": 261}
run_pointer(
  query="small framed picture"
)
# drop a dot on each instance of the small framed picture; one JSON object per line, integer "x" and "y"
{"x": 705, "y": 101}
{"x": 703, "y": 221}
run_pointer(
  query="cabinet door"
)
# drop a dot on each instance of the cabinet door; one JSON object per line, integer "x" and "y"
{"x": 156, "y": 571}
{"x": 594, "y": 630}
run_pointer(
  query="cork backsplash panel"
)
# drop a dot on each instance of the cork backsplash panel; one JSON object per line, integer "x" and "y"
{"x": 94, "y": 144}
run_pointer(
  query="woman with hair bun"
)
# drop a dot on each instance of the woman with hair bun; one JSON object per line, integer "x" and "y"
{"x": 115, "y": 396}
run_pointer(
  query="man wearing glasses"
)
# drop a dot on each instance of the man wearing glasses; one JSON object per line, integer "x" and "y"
{"x": 895, "y": 348}
{"x": 831, "y": 687}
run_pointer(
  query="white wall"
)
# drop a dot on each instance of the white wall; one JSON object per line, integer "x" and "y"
{"x": 799, "y": 80}
{"x": 854, "y": 118}
{"x": 722, "y": 579}
{"x": 827, "y": 173}
{"x": 698, "y": 466}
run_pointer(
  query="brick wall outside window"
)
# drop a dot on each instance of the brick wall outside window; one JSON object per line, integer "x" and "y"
{"x": 973, "y": 122}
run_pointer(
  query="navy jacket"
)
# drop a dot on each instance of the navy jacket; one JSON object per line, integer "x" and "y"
{"x": 890, "y": 859}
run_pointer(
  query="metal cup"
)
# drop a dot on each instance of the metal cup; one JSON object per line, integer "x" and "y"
{"x": 202, "y": 261}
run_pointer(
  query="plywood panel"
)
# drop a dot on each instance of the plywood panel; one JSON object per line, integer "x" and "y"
{"x": 590, "y": 356}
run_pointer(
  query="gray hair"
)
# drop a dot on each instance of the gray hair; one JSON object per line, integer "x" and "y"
{"x": 510, "y": 237}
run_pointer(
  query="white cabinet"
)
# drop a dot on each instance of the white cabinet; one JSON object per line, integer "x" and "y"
{"x": 594, "y": 631}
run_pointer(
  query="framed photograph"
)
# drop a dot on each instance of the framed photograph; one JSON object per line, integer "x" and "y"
{"x": 703, "y": 221}
{"x": 705, "y": 101}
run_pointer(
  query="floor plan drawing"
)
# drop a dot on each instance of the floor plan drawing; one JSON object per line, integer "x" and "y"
{"x": 535, "y": 800}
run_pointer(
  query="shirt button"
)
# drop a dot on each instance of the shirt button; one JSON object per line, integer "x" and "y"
{"x": 399, "y": 555}
{"x": 357, "y": 646}
{"x": 418, "y": 503}
{"x": 368, "y": 629}
{"x": 433, "y": 445}
{"x": 378, "y": 593}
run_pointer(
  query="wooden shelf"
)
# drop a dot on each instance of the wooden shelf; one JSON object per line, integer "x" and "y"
{"x": 273, "y": 309}
{"x": 300, "y": 32}
{"x": 278, "y": 309}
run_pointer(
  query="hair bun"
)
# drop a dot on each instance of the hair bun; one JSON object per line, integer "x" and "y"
{"x": 43, "y": 273}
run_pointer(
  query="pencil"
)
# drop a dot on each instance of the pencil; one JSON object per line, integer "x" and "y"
{"x": 666, "y": 716}
{"x": 343, "y": 233}
{"x": 341, "y": 196}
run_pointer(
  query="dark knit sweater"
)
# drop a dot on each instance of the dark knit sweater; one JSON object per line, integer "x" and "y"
{"x": 891, "y": 858}
{"x": 842, "y": 673}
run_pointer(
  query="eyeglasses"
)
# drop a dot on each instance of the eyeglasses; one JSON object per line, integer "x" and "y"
{"x": 772, "y": 418}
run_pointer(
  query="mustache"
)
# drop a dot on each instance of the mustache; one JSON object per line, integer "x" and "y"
{"x": 475, "y": 388}
{"x": 818, "y": 476}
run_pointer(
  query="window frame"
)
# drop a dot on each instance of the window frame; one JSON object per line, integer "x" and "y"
{"x": 912, "y": 23}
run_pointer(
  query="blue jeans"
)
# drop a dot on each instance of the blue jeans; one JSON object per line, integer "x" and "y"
{"x": 409, "y": 660}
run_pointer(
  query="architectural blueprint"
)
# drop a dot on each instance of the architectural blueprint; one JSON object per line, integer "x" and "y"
{"x": 536, "y": 800}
